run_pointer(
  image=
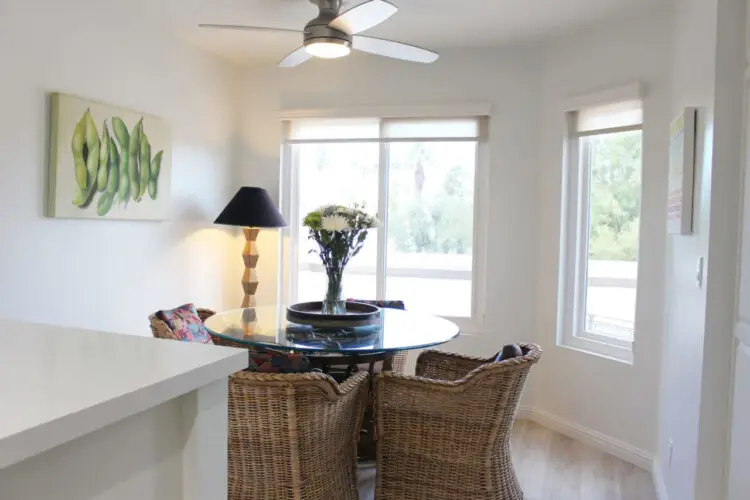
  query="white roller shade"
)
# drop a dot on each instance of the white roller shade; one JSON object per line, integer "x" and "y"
{"x": 431, "y": 128}
{"x": 312, "y": 130}
{"x": 610, "y": 116}
{"x": 334, "y": 128}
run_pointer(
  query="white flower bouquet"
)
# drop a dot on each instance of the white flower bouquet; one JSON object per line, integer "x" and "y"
{"x": 340, "y": 233}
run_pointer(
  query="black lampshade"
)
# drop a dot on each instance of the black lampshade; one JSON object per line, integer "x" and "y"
{"x": 251, "y": 207}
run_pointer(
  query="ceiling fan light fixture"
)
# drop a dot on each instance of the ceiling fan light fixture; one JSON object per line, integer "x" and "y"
{"x": 328, "y": 48}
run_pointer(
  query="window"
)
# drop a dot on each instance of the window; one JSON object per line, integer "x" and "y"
{"x": 421, "y": 177}
{"x": 600, "y": 257}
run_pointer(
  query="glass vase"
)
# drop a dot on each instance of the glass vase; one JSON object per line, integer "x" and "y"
{"x": 332, "y": 304}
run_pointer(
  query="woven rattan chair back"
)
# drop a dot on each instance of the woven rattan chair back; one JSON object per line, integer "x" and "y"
{"x": 445, "y": 434}
{"x": 294, "y": 436}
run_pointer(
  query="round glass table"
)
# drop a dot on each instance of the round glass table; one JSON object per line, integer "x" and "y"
{"x": 268, "y": 328}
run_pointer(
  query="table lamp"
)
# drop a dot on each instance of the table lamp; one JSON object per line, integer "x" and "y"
{"x": 252, "y": 209}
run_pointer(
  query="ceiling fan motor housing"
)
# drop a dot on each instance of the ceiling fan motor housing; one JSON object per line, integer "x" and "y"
{"x": 332, "y": 5}
{"x": 318, "y": 31}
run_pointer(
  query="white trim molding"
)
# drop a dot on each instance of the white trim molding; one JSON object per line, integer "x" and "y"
{"x": 631, "y": 454}
{"x": 658, "y": 476}
{"x": 575, "y": 326}
{"x": 742, "y": 331}
{"x": 477, "y": 114}
{"x": 630, "y": 92}
{"x": 436, "y": 111}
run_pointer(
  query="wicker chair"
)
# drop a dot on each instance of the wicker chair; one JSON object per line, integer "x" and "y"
{"x": 294, "y": 436}
{"x": 445, "y": 434}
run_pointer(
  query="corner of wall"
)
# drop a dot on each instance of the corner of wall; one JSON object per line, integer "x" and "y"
{"x": 658, "y": 476}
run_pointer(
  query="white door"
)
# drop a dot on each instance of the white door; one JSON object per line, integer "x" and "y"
{"x": 739, "y": 461}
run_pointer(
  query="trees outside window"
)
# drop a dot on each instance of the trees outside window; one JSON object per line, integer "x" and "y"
{"x": 615, "y": 196}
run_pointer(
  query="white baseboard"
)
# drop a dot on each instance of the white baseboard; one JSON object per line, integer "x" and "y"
{"x": 659, "y": 485}
{"x": 595, "y": 439}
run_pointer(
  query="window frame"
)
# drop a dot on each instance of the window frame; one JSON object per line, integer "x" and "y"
{"x": 291, "y": 237}
{"x": 575, "y": 237}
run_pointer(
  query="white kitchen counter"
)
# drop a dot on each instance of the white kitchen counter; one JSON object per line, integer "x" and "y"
{"x": 75, "y": 403}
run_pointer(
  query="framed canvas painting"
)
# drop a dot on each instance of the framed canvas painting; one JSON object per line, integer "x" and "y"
{"x": 107, "y": 162}
{"x": 681, "y": 173}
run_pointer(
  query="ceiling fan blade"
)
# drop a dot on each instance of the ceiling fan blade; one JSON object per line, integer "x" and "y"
{"x": 246, "y": 28}
{"x": 364, "y": 16}
{"x": 295, "y": 58}
{"x": 396, "y": 50}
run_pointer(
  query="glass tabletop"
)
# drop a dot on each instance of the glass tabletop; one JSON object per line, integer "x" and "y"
{"x": 394, "y": 330}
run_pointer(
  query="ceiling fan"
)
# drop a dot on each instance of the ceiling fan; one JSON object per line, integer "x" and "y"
{"x": 333, "y": 34}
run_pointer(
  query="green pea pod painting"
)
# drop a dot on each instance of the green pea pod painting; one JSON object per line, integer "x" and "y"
{"x": 101, "y": 177}
{"x": 155, "y": 169}
{"x": 134, "y": 155}
{"x": 79, "y": 161}
{"x": 107, "y": 162}
{"x": 123, "y": 137}
{"x": 145, "y": 161}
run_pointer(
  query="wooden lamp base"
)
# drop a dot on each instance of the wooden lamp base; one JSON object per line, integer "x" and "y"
{"x": 250, "y": 258}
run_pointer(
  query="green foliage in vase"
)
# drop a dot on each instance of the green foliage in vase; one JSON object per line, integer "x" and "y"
{"x": 340, "y": 233}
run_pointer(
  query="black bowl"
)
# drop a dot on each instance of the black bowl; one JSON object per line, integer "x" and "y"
{"x": 311, "y": 313}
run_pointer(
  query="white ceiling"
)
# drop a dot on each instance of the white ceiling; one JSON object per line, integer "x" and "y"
{"x": 429, "y": 23}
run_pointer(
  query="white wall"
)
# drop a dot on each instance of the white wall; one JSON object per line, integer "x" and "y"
{"x": 612, "y": 398}
{"x": 694, "y": 43}
{"x": 503, "y": 78}
{"x": 708, "y": 55}
{"x": 110, "y": 275}
{"x": 722, "y": 261}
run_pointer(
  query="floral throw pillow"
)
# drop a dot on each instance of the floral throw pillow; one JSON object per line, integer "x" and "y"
{"x": 186, "y": 324}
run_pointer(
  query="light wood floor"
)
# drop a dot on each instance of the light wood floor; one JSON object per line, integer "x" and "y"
{"x": 551, "y": 466}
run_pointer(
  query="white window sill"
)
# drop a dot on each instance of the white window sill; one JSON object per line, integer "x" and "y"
{"x": 601, "y": 349}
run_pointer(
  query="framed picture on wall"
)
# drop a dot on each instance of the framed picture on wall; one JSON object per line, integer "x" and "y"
{"x": 681, "y": 173}
{"x": 107, "y": 162}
